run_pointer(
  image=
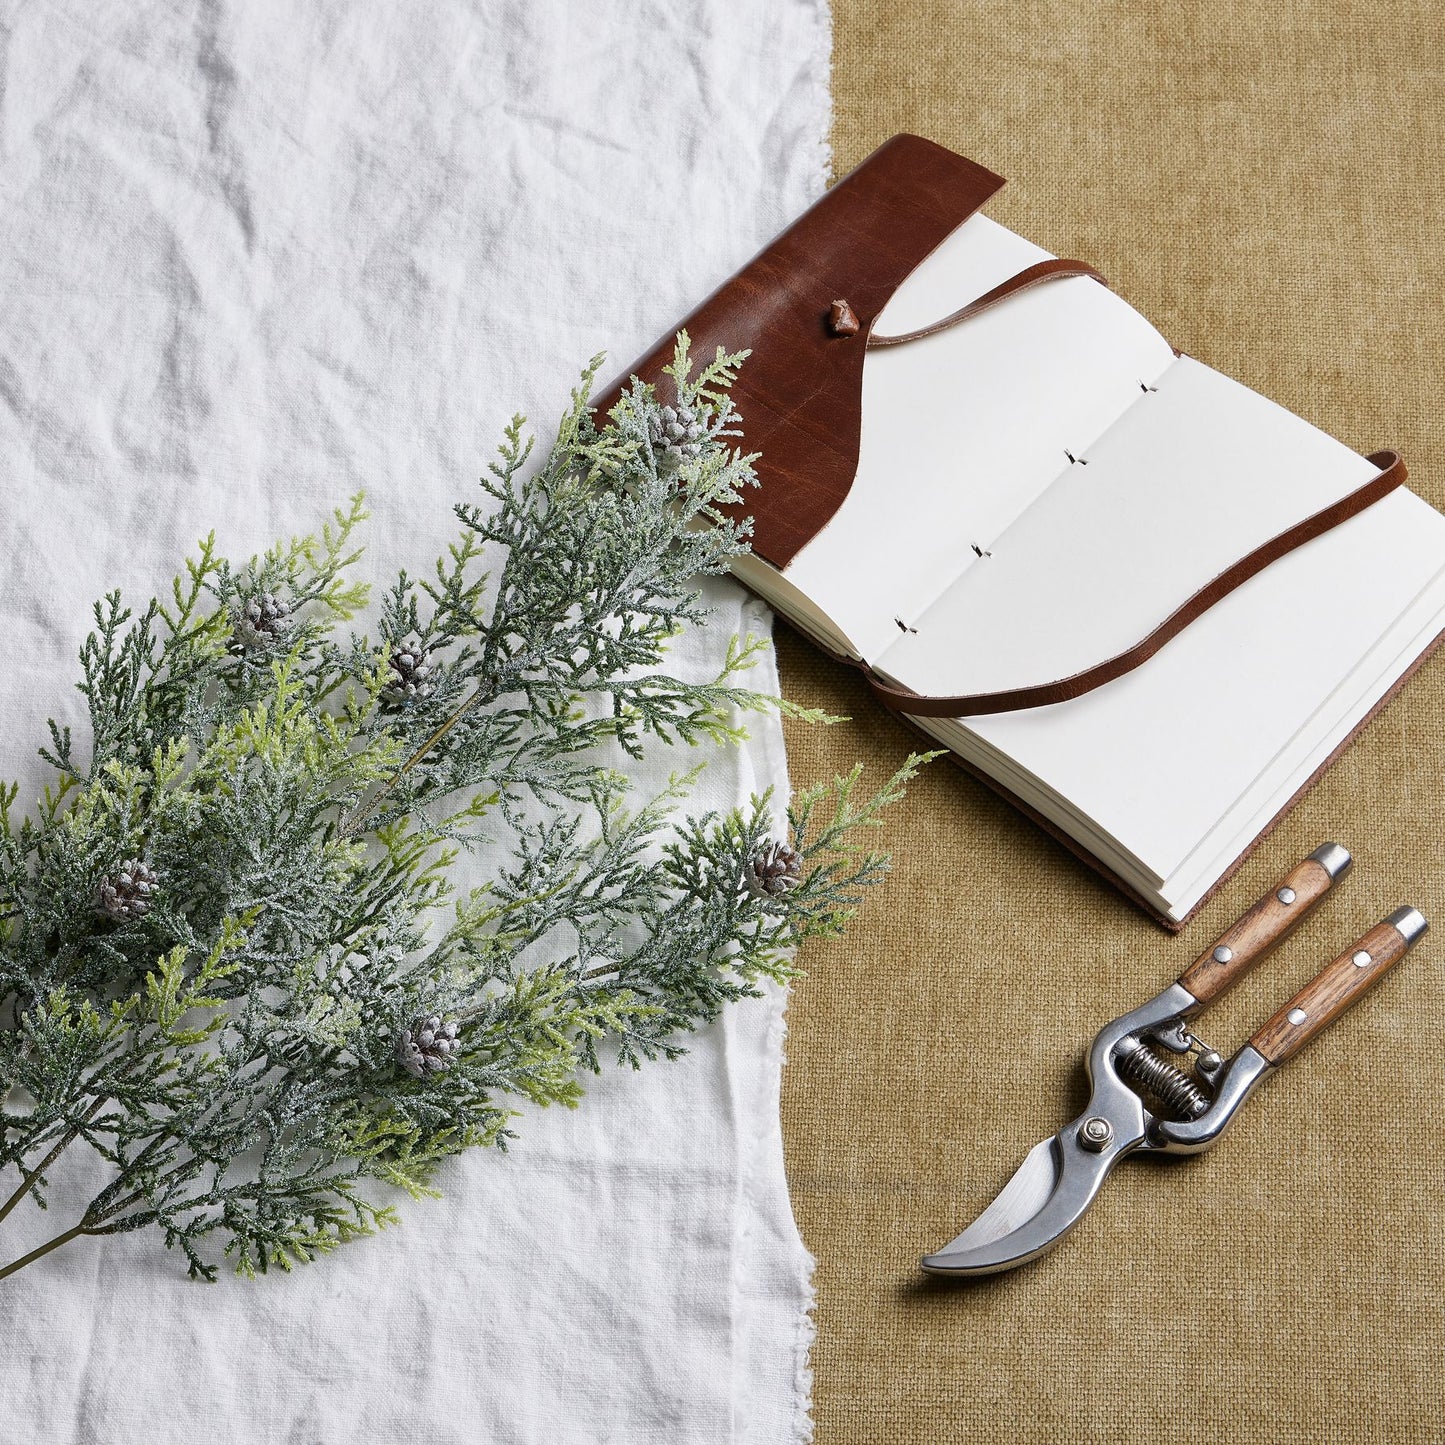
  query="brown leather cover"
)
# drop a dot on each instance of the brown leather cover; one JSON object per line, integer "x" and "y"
{"x": 800, "y": 393}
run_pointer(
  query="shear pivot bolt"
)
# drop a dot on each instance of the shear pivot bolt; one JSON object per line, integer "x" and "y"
{"x": 1096, "y": 1134}
{"x": 1285, "y": 896}
{"x": 1223, "y": 953}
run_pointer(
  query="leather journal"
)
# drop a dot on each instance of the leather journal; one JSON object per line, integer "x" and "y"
{"x": 1138, "y": 599}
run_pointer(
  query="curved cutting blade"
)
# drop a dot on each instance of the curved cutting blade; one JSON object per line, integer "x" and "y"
{"x": 1044, "y": 1200}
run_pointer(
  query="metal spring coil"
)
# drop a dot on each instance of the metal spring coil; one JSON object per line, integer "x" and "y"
{"x": 1181, "y": 1096}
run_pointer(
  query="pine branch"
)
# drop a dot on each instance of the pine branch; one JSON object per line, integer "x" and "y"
{"x": 235, "y": 972}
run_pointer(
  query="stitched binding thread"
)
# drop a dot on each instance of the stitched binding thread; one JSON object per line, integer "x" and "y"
{"x": 1391, "y": 475}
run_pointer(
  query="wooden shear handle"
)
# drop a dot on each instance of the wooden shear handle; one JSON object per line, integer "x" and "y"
{"x": 1338, "y": 985}
{"x": 1251, "y": 937}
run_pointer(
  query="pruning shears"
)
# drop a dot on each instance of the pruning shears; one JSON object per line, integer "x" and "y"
{"x": 1157, "y": 1089}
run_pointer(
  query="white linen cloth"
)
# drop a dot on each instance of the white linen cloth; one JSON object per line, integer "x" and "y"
{"x": 254, "y": 257}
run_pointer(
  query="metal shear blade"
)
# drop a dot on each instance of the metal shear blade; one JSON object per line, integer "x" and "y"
{"x": 1046, "y": 1198}
{"x": 1058, "y": 1180}
{"x": 1060, "y": 1177}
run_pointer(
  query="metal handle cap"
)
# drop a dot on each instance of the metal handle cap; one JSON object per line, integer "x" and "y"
{"x": 1335, "y": 860}
{"x": 1410, "y": 922}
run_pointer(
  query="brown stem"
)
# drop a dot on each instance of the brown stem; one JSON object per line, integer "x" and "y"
{"x": 350, "y": 823}
{"x": 136, "y": 1196}
{"x": 123, "y": 1204}
{"x": 29, "y": 1179}
{"x": 483, "y": 694}
{"x": 44, "y": 1249}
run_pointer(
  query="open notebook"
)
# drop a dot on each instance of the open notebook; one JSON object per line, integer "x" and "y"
{"x": 1033, "y": 490}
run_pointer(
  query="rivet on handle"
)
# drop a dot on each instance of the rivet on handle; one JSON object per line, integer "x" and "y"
{"x": 1251, "y": 936}
{"x": 1341, "y": 983}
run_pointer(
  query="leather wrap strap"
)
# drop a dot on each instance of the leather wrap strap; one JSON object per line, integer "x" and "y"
{"x": 1052, "y": 270}
{"x": 1391, "y": 475}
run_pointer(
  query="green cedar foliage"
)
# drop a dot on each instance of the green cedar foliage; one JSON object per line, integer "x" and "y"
{"x": 232, "y": 1053}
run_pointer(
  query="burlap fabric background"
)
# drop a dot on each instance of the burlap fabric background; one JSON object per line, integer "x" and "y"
{"x": 1264, "y": 182}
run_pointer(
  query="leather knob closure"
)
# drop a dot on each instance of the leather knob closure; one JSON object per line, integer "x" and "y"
{"x": 843, "y": 320}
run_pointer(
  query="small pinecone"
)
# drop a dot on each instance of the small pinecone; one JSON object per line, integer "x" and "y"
{"x": 676, "y": 433}
{"x": 427, "y": 1047}
{"x": 410, "y": 669}
{"x": 778, "y": 869}
{"x": 263, "y": 619}
{"x": 127, "y": 895}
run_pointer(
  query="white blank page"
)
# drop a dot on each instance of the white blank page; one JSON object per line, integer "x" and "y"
{"x": 1288, "y": 771}
{"x": 1190, "y": 479}
{"x": 962, "y": 430}
{"x": 1158, "y": 757}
